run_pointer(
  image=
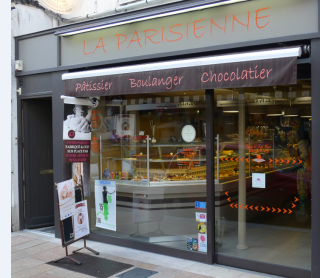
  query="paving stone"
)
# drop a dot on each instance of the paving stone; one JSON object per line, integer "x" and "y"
{"x": 32, "y": 271}
{"x": 17, "y": 240}
{"x": 189, "y": 275}
{"x": 60, "y": 272}
{"x": 24, "y": 264}
{"x": 165, "y": 272}
{"x": 45, "y": 275}
{"x": 26, "y": 245}
{"x": 79, "y": 275}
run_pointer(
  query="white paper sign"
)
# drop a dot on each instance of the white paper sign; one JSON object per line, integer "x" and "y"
{"x": 149, "y": 100}
{"x": 125, "y": 124}
{"x": 176, "y": 99}
{"x": 188, "y": 133}
{"x": 80, "y": 220}
{"x": 186, "y": 98}
{"x": 202, "y": 242}
{"x": 105, "y": 203}
{"x": 167, "y": 99}
{"x": 140, "y": 100}
{"x": 196, "y": 98}
{"x": 66, "y": 198}
{"x": 158, "y": 99}
{"x": 201, "y": 217}
{"x": 258, "y": 180}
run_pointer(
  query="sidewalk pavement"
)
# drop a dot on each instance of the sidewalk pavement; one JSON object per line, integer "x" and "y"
{"x": 30, "y": 252}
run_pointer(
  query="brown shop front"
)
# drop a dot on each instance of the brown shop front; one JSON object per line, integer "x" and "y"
{"x": 208, "y": 138}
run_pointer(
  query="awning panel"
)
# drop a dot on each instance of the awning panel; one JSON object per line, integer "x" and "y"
{"x": 260, "y": 68}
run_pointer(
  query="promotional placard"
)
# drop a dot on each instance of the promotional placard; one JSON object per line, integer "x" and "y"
{"x": 201, "y": 217}
{"x": 80, "y": 219}
{"x": 188, "y": 133}
{"x": 105, "y": 203}
{"x": 200, "y": 205}
{"x": 125, "y": 125}
{"x": 202, "y": 242}
{"x": 258, "y": 180}
{"x": 66, "y": 194}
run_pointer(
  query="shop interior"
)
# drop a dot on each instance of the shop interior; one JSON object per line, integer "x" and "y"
{"x": 137, "y": 141}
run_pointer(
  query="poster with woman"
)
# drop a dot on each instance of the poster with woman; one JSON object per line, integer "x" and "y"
{"x": 80, "y": 220}
{"x": 66, "y": 194}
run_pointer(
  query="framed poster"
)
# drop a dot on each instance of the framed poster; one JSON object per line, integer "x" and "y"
{"x": 105, "y": 203}
{"x": 66, "y": 195}
{"x": 80, "y": 220}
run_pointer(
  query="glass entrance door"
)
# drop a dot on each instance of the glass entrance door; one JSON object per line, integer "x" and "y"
{"x": 263, "y": 174}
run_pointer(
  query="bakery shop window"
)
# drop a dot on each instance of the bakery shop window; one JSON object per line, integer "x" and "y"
{"x": 263, "y": 179}
{"x": 153, "y": 146}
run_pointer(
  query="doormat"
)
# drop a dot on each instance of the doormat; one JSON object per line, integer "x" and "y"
{"x": 92, "y": 265}
{"x": 137, "y": 273}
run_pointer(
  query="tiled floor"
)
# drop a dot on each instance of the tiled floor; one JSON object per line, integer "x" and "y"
{"x": 30, "y": 252}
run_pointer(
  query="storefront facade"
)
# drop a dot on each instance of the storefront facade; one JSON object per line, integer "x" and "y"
{"x": 227, "y": 95}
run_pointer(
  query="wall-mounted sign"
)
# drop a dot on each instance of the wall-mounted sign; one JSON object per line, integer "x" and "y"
{"x": 197, "y": 30}
{"x": 202, "y": 227}
{"x": 188, "y": 133}
{"x": 62, "y": 6}
{"x": 202, "y": 242}
{"x": 200, "y": 205}
{"x": 258, "y": 180}
{"x": 201, "y": 217}
{"x": 105, "y": 199}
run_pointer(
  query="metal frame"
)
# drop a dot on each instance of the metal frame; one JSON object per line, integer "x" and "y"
{"x": 210, "y": 135}
{"x": 315, "y": 123}
{"x": 149, "y": 247}
{"x": 273, "y": 269}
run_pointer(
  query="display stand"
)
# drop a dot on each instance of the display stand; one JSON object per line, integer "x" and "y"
{"x": 65, "y": 245}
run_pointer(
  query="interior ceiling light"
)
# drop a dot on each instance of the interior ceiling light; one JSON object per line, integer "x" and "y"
{"x": 257, "y": 110}
{"x": 305, "y": 113}
{"x": 186, "y": 10}
{"x": 274, "y": 111}
{"x": 230, "y": 110}
{"x": 291, "y": 112}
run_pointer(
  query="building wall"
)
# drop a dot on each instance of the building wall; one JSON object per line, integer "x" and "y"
{"x": 24, "y": 19}
{"x": 27, "y": 19}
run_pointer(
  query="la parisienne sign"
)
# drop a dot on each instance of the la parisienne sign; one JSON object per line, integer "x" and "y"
{"x": 194, "y": 31}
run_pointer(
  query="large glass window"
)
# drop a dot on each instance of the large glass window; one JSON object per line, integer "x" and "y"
{"x": 154, "y": 147}
{"x": 263, "y": 174}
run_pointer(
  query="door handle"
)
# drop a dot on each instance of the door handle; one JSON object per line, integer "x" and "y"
{"x": 45, "y": 172}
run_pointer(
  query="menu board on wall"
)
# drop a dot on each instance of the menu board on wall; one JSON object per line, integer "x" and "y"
{"x": 77, "y": 128}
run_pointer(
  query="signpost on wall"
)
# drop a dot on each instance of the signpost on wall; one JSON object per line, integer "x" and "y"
{"x": 73, "y": 216}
